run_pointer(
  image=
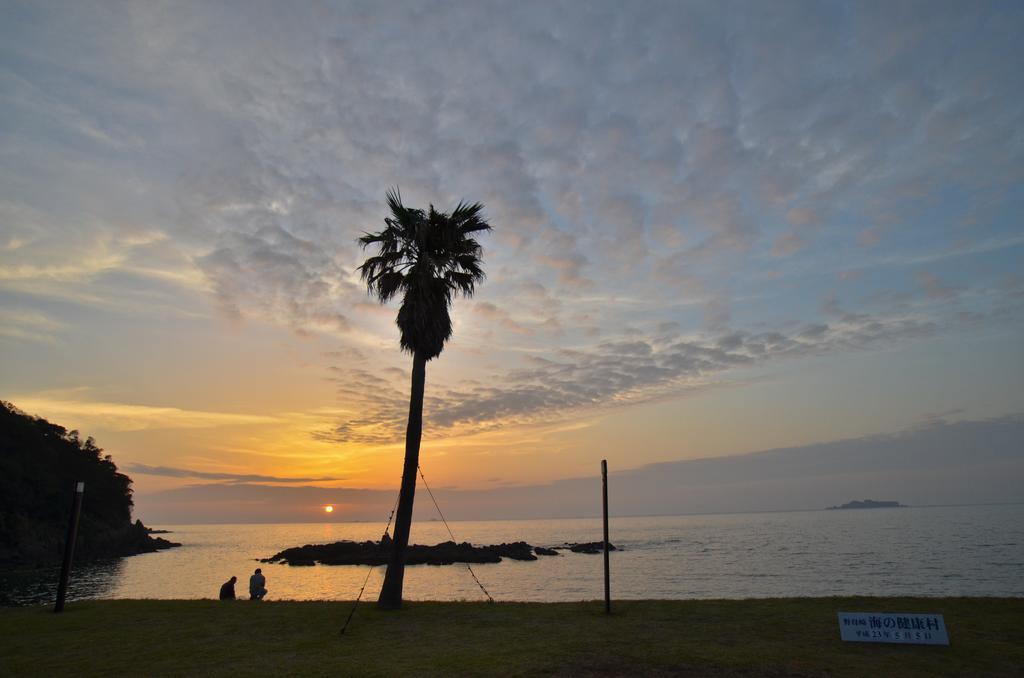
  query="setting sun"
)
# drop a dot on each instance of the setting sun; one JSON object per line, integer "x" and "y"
{"x": 328, "y": 509}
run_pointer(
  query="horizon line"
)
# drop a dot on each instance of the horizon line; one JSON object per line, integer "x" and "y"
{"x": 595, "y": 516}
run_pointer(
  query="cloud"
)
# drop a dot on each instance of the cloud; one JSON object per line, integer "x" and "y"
{"x": 681, "y": 119}
{"x": 29, "y": 325}
{"x": 243, "y": 502}
{"x": 274, "y": 274}
{"x": 502, "y": 318}
{"x": 129, "y": 417}
{"x": 803, "y": 224}
{"x": 171, "y": 472}
{"x": 613, "y": 373}
{"x": 694, "y": 167}
{"x": 934, "y": 287}
{"x": 940, "y": 462}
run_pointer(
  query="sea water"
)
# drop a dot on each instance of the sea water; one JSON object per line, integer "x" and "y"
{"x": 918, "y": 551}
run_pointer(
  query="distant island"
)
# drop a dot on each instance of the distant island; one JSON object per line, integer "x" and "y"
{"x": 867, "y": 504}
{"x": 40, "y": 463}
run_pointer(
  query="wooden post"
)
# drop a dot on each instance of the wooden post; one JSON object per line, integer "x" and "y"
{"x": 69, "y": 546}
{"x": 604, "y": 501}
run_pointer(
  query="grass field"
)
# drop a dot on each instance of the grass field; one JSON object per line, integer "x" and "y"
{"x": 774, "y": 637}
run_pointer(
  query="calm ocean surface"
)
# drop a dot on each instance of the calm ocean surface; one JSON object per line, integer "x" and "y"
{"x": 930, "y": 551}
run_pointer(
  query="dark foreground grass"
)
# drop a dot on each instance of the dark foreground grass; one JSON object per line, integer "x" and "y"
{"x": 774, "y": 637}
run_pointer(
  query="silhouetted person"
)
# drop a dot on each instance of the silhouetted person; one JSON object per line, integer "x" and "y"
{"x": 257, "y": 585}
{"x": 227, "y": 589}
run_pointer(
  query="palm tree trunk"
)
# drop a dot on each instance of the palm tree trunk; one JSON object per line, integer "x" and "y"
{"x": 391, "y": 592}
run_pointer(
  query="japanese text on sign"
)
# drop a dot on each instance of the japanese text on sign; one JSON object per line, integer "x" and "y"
{"x": 887, "y": 627}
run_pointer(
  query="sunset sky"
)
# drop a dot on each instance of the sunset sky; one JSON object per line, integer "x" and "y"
{"x": 719, "y": 228}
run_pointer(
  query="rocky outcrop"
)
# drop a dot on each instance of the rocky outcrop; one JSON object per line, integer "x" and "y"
{"x": 376, "y": 553}
{"x": 587, "y": 547}
{"x": 445, "y": 553}
{"x": 41, "y": 465}
{"x": 140, "y": 539}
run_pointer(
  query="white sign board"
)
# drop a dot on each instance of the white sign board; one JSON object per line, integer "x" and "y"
{"x": 889, "y": 627}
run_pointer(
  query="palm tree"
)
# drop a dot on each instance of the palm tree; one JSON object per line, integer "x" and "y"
{"x": 428, "y": 258}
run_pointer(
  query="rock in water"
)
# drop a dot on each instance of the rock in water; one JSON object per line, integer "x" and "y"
{"x": 374, "y": 553}
{"x": 588, "y": 547}
{"x": 519, "y": 550}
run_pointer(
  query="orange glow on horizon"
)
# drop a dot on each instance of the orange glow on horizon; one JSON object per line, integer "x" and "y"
{"x": 328, "y": 509}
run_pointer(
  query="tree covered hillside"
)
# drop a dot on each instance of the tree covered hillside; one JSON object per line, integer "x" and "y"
{"x": 39, "y": 465}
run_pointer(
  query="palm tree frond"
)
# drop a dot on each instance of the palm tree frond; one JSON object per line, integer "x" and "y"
{"x": 470, "y": 264}
{"x": 467, "y": 218}
{"x": 367, "y": 239}
{"x": 394, "y": 197}
{"x": 428, "y": 257}
{"x": 387, "y": 285}
{"x": 464, "y": 283}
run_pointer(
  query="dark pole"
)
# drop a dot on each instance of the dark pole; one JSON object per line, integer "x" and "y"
{"x": 604, "y": 501}
{"x": 69, "y": 546}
